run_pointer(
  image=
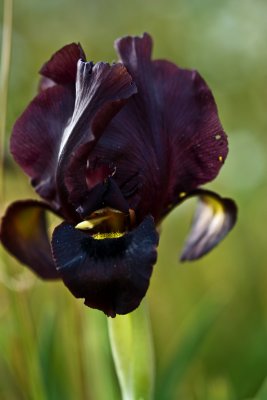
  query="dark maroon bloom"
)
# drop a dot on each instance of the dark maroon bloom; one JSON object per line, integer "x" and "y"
{"x": 112, "y": 149}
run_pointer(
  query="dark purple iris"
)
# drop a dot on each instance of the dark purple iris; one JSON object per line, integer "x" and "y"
{"x": 112, "y": 149}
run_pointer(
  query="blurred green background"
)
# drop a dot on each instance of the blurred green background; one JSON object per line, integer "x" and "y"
{"x": 209, "y": 318}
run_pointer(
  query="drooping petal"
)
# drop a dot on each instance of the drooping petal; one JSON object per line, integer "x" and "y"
{"x": 214, "y": 218}
{"x": 24, "y": 235}
{"x": 110, "y": 274}
{"x": 37, "y": 136}
{"x": 168, "y": 134}
{"x": 62, "y": 66}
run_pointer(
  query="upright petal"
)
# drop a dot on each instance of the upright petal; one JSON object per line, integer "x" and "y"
{"x": 62, "y": 66}
{"x": 168, "y": 134}
{"x": 57, "y": 121}
{"x": 110, "y": 274}
{"x": 24, "y": 234}
{"x": 101, "y": 91}
{"x": 213, "y": 220}
{"x": 197, "y": 143}
{"x": 37, "y": 136}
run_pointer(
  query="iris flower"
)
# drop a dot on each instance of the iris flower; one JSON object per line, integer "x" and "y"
{"x": 112, "y": 149}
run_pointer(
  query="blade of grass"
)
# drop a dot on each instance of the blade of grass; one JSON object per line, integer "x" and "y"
{"x": 195, "y": 332}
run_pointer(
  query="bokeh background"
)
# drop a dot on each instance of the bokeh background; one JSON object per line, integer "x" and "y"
{"x": 209, "y": 318}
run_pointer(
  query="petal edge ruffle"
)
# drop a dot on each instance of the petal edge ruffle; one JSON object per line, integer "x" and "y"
{"x": 177, "y": 141}
{"x": 62, "y": 66}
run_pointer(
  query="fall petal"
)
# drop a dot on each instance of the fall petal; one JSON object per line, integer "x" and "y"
{"x": 111, "y": 274}
{"x": 24, "y": 235}
{"x": 214, "y": 218}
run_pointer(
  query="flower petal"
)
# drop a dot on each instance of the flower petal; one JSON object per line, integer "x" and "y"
{"x": 213, "y": 219}
{"x": 37, "y": 136}
{"x": 45, "y": 83}
{"x": 101, "y": 91}
{"x": 111, "y": 274}
{"x": 62, "y": 66}
{"x": 24, "y": 235}
{"x": 90, "y": 184}
{"x": 105, "y": 194}
{"x": 168, "y": 134}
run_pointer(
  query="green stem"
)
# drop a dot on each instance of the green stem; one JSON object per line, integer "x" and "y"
{"x": 4, "y": 79}
{"x": 132, "y": 350}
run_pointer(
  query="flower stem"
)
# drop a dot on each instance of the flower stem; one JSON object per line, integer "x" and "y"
{"x": 4, "y": 79}
{"x": 132, "y": 350}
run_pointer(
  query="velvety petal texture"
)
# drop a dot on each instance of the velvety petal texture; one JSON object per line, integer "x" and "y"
{"x": 213, "y": 219}
{"x": 110, "y": 274}
{"x": 57, "y": 121}
{"x": 168, "y": 134}
{"x": 24, "y": 235}
{"x": 112, "y": 149}
{"x": 37, "y": 135}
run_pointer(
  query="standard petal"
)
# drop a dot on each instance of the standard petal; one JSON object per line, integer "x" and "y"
{"x": 197, "y": 143}
{"x": 62, "y": 66}
{"x": 213, "y": 219}
{"x": 110, "y": 274}
{"x": 24, "y": 235}
{"x": 37, "y": 136}
{"x": 168, "y": 134}
{"x": 101, "y": 91}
